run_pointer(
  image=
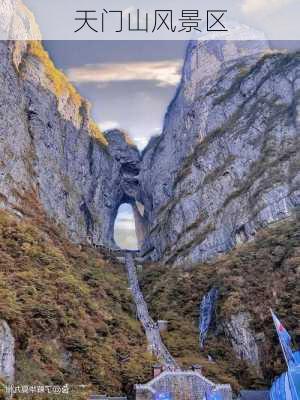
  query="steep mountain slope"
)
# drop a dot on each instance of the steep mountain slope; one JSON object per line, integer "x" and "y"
{"x": 51, "y": 148}
{"x": 69, "y": 310}
{"x": 226, "y": 166}
{"x": 242, "y": 341}
{"x": 227, "y": 162}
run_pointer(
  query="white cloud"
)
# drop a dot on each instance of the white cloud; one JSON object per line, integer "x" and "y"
{"x": 107, "y": 125}
{"x": 124, "y": 232}
{"x": 125, "y": 223}
{"x": 265, "y": 6}
{"x": 164, "y": 73}
{"x": 126, "y": 239}
{"x": 157, "y": 130}
{"x": 141, "y": 141}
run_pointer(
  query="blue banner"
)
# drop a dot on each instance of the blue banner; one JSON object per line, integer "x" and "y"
{"x": 163, "y": 396}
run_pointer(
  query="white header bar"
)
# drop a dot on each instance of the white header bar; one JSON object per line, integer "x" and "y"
{"x": 150, "y": 20}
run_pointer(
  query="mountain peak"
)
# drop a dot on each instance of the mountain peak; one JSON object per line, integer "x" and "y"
{"x": 206, "y": 55}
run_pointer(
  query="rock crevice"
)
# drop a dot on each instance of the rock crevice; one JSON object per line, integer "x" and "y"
{"x": 53, "y": 156}
{"x": 227, "y": 161}
{"x": 225, "y": 165}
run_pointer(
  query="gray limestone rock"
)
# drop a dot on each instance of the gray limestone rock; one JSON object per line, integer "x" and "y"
{"x": 207, "y": 314}
{"x": 226, "y": 164}
{"x": 7, "y": 353}
{"x": 50, "y": 157}
{"x": 243, "y": 339}
{"x": 227, "y": 161}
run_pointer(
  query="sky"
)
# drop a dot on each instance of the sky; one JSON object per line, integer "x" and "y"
{"x": 278, "y": 19}
{"x": 125, "y": 236}
{"x": 129, "y": 85}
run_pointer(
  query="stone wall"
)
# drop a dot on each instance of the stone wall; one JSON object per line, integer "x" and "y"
{"x": 181, "y": 385}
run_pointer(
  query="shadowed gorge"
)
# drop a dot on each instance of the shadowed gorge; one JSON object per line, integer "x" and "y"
{"x": 214, "y": 202}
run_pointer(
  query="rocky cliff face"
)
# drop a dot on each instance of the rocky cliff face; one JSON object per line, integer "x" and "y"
{"x": 227, "y": 162}
{"x": 52, "y": 153}
{"x": 241, "y": 346}
{"x": 226, "y": 165}
{"x": 236, "y": 327}
{"x": 243, "y": 340}
{"x": 207, "y": 314}
{"x": 7, "y": 353}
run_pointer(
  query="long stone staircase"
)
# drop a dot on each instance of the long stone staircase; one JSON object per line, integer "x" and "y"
{"x": 151, "y": 328}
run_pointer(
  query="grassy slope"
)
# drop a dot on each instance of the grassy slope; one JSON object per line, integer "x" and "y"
{"x": 253, "y": 277}
{"x": 69, "y": 309}
{"x": 73, "y": 319}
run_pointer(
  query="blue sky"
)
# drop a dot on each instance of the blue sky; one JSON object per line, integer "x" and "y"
{"x": 278, "y": 19}
{"x": 129, "y": 85}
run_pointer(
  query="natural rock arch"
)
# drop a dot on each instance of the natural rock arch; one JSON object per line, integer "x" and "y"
{"x": 125, "y": 188}
{"x": 136, "y": 212}
{"x": 125, "y": 235}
